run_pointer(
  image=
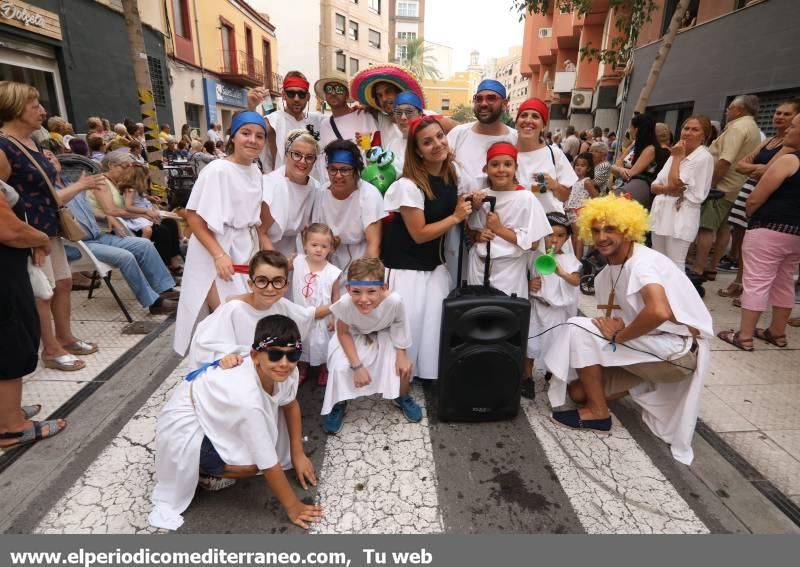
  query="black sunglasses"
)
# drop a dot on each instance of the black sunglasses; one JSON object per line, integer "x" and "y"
{"x": 296, "y": 94}
{"x": 276, "y": 354}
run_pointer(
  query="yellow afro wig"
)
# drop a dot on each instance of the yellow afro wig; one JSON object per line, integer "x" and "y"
{"x": 627, "y": 215}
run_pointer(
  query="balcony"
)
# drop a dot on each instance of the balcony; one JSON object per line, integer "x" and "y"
{"x": 274, "y": 83}
{"x": 564, "y": 81}
{"x": 241, "y": 69}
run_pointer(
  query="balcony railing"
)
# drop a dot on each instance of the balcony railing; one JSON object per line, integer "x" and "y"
{"x": 274, "y": 83}
{"x": 241, "y": 69}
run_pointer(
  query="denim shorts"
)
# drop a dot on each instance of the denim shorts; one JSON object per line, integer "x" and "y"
{"x": 210, "y": 461}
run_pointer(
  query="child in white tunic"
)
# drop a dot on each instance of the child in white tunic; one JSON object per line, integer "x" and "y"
{"x": 367, "y": 355}
{"x": 235, "y": 418}
{"x": 315, "y": 282}
{"x": 289, "y": 193}
{"x": 582, "y": 191}
{"x": 231, "y": 326}
{"x": 224, "y": 213}
{"x": 553, "y": 297}
{"x": 515, "y": 227}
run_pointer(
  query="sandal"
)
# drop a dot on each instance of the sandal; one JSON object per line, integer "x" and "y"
{"x": 65, "y": 362}
{"x": 794, "y": 322}
{"x": 777, "y": 340}
{"x": 732, "y": 338}
{"x": 81, "y": 348}
{"x": 737, "y": 302}
{"x": 32, "y": 434}
{"x": 733, "y": 290}
{"x": 30, "y": 411}
{"x": 710, "y": 275}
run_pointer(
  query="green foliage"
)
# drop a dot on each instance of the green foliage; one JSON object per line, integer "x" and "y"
{"x": 462, "y": 113}
{"x": 629, "y": 18}
{"x": 419, "y": 62}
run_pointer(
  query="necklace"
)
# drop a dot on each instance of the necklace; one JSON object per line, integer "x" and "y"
{"x": 610, "y": 306}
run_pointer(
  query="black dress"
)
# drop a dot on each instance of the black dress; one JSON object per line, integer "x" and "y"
{"x": 19, "y": 323}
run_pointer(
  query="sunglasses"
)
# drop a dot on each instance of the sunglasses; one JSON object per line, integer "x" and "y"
{"x": 296, "y": 94}
{"x": 490, "y": 98}
{"x": 410, "y": 113}
{"x": 298, "y": 157}
{"x": 335, "y": 89}
{"x": 276, "y": 354}
{"x": 343, "y": 171}
{"x": 278, "y": 282}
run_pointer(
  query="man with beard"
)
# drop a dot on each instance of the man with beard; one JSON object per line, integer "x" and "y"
{"x": 296, "y": 98}
{"x": 470, "y": 141}
{"x": 650, "y": 340}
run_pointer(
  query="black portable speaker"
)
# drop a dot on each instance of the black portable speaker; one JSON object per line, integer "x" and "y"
{"x": 482, "y": 352}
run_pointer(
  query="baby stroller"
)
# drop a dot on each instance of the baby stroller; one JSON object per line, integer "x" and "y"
{"x": 591, "y": 264}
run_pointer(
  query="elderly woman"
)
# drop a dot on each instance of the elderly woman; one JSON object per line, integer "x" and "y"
{"x": 602, "y": 167}
{"x": 680, "y": 189}
{"x": 639, "y": 166}
{"x": 27, "y": 169}
{"x": 289, "y": 193}
{"x": 771, "y": 249}
{"x": 202, "y": 154}
{"x": 108, "y": 202}
{"x": 349, "y": 205}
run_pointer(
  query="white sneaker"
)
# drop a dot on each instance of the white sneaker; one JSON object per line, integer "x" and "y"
{"x": 215, "y": 483}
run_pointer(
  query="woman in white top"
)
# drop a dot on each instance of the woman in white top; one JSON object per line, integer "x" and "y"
{"x": 224, "y": 213}
{"x": 680, "y": 189}
{"x": 350, "y": 206}
{"x": 289, "y": 194}
{"x": 542, "y": 168}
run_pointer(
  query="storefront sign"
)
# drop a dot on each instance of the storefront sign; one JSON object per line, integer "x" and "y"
{"x": 230, "y": 95}
{"x": 210, "y": 98}
{"x": 30, "y": 18}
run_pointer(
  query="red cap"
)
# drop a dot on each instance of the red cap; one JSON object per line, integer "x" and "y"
{"x": 295, "y": 82}
{"x": 535, "y": 104}
{"x": 501, "y": 149}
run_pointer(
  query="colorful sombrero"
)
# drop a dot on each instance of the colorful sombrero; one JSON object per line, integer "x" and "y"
{"x": 402, "y": 78}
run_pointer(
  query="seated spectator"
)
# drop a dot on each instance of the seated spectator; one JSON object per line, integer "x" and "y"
{"x": 171, "y": 151}
{"x": 78, "y": 146}
{"x": 183, "y": 150}
{"x": 202, "y": 155}
{"x": 664, "y": 136}
{"x": 97, "y": 147}
{"x": 602, "y": 167}
{"x": 136, "y": 150}
{"x": 219, "y": 149}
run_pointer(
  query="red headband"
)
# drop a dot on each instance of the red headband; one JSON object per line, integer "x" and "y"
{"x": 534, "y": 104}
{"x": 414, "y": 124}
{"x": 501, "y": 149}
{"x": 296, "y": 82}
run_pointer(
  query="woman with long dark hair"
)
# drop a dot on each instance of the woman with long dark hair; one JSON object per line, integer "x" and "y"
{"x": 638, "y": 167}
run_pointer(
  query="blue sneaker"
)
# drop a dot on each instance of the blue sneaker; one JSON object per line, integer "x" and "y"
{"x": 334, "y": 420}
{"x": 409, "y": 407}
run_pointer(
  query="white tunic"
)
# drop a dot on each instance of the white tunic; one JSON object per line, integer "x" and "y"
{"x": 283, "y": 123}
{"x": 290, "y": 205}
{"x": 228, "y": 198}
{"x": 696, "y": 171}
{"x": 553, "y": 304}
{"x": 670, "y": 410}
{"x": 376, "y": 335}
{"x": 470, "y": 148}
{"x": 348, "y": 219}
{"x": 521, "y": 212}
{"x": 530, "y": 164}
{"x": 241, "y": 420}
{"x": 313, "y": 289}
{"x": 232, "y": 326}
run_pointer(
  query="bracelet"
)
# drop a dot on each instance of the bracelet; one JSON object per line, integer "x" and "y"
{"x": 358, "y": 366}
{"x": 218, "y": 256}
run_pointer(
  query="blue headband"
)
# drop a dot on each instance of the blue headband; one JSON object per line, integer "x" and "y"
{"x": 341, "y": 156}
{"x": 365, "y": 282}
{"x": 408, "y": 97}
{"x": 248, "y": 117}
{"x": 492, "y": 85}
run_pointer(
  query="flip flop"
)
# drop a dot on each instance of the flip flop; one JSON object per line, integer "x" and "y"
{"x": 65, "y": 362}
{"x": 732, "y": 338}
{"x": 81, "y": 348}
{"x": 31, "y": 411}
{"x": 766, "y": 336}
{"x": 733, "y": 290}
{"x": 32, "y": 434}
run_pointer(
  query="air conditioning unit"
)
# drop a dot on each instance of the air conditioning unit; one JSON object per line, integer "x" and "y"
{"x": 581, "y": 99}
{"x": 545, "y": 33}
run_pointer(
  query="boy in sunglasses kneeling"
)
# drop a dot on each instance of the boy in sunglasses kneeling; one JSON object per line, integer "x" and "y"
{"x": 233, "y": 418}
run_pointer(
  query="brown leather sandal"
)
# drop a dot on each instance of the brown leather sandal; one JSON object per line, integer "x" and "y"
{"x": 732, "y": 338}
{"x": 733, "y": 290}
{"x": 766, "y": 336}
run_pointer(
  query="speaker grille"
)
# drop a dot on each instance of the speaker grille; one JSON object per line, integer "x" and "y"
{"x": 488, "y": 324}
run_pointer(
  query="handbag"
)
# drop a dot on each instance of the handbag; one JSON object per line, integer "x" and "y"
{"x": 68, "y": 227}
{"x": 42, "y": 289}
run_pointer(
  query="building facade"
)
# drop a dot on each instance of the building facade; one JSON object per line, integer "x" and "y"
{"x": 507, "y": 71}
{"x": 441, "y": 56}
{"x": 406, "y": 21}
{"x": 76, "y": 54}
{"x": 217, "y": 51}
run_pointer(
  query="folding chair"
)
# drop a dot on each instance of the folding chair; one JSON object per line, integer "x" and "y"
{"x": 88, "y": 262}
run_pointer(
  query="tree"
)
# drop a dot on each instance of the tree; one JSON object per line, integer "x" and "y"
{"x": 418, "y": 61}
{"x": 462, "y": 113}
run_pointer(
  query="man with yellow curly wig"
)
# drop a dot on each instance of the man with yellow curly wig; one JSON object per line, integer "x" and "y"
{"x": 649, "y": 340}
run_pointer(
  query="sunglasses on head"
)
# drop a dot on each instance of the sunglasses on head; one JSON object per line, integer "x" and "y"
{"x": 490, "y": 98}
{"x": 296, "y": 94}
{"x": 275, "y": 354}
{"x": 335, "y": 89}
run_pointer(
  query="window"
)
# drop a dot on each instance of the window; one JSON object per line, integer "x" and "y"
{"x": 374, "y": 39}
{"x": 353, "y": 30}
{"x": 228, "y": 47}
{"x": 375, "y": 6}
{"x": 180, "y": 12}
{"x": 408, "y": 9}
{"x": 445, "y": 104}
{"x": 157, "y": 80}
{"x": 340, "y": 24}
{"x": 689, "y": 18}
{"x": 353, "y": 65}
{"x": 402, "y": 52}
{"x": 406, "y": 35}
{"x": 341, "y": 62}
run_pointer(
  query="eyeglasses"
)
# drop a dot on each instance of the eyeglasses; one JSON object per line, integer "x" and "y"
{"x": 343, "y": 171}
{"x": 298, "y": 157}
{"x": 308, "y": 289}
{"x": 278, "y": 282}
{"x": 296, "y": 94}
{"x": 276, "y": 354}
{"x": 490, "y": 98}
{"x": 335, "y": 89}
{"x": 410, "y": 113}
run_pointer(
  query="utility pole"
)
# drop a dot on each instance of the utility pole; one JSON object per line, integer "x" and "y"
{"x": 133, "y": 25}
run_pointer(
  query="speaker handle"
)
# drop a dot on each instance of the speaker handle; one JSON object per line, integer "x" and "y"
{"x": 492, "y": 200}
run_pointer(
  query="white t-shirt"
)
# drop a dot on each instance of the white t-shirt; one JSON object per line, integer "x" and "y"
{"x": 530, "y": 164}
{"x": 470, "y": 148}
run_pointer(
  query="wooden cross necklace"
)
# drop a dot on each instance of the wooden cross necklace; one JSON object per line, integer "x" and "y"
{"x": 610, "y": 306}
